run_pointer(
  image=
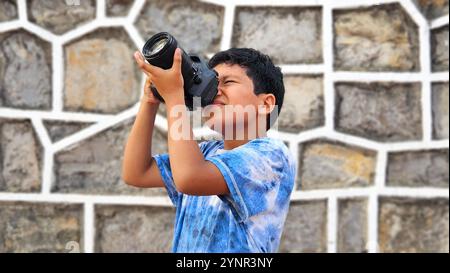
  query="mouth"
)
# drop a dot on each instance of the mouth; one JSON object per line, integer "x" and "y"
{"x": 218, "y": 103}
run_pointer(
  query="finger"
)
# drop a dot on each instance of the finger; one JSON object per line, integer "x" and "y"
{"x": 148, "y": 83}
{"x": 145, "y": 67}
{"x": 177, "y": 60}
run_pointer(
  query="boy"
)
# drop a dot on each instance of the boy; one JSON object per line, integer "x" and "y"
{"x": 230, "y": 195}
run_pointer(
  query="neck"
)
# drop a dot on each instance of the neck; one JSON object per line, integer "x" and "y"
{"x": 233, "y": 143}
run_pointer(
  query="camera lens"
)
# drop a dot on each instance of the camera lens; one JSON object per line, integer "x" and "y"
{"x": 159, "y": 50}
{"x": 158, "y": 46}
{"x": 199, "y": 80}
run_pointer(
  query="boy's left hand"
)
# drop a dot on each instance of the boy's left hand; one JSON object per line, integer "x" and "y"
{"x": 169, "y": 83}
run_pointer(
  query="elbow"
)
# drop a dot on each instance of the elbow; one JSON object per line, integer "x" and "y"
{"x": 130, "y": 181}
{"x": 183, "y": 184}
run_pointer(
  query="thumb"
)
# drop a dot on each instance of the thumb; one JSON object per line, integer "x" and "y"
{"x": 177, "y": 60}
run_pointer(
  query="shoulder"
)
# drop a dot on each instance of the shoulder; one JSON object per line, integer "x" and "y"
{"x": 268, "y": 145}
{"x": 208, "y": 146}
{"x": 275, "y": 151}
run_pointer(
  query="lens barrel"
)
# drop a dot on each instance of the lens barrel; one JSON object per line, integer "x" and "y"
{"x": 199, "y": 79}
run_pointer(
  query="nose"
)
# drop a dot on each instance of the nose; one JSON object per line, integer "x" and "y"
{"x": 219, "y": 91}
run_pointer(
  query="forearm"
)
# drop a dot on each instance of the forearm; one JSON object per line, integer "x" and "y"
{"x": 137, "y": 154}
{"x": 184, "y": 153}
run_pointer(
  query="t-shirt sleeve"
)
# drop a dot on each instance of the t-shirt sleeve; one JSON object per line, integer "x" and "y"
{"x": 163, "y": 163}
{"x": 254, "y": 173}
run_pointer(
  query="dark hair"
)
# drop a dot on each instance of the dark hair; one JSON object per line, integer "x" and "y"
{"x": 267, "y": 78}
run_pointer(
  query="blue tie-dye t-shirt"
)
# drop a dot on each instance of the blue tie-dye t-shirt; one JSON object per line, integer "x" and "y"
{"x": 260, "y": 176}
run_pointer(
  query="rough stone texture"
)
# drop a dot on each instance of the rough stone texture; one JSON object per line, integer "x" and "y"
{"x": 61, "y": 129}
{"x": 305, "y": 229}
{"x": 101, "y": 74}
{"x": 134, "y": 229}
{"x": 25, "y": 71}
{"x": 94, "y": 166}
{"x": 20, "y": 157}
{"x": 380, "y": 111}
{"x": 418, "y": 169}
{"x": 287, "y": 34}
{"x": 325, "y": 164}
{"x": 352, "y": 225}
{"x": 413, "y": 225}
{"x": 40, "y": 227}
{"x": 58, "y": 16}
{"x": 8, "y": 10}
{"x": 303, "y": 105}
{"x": 439, "y": 47}
{"x": 118, "y": 7}
{"x": 196, "y": 26}
{"x": 440, "y": 110}
{"x": 381, "y": 38}
{"x": 432, "y": 9}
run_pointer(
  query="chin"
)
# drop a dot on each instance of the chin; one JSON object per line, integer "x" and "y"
{"x": 217, "y": 126}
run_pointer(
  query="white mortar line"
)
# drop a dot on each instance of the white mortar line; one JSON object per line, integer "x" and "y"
{"x": 163, "y": 201}
{"x": 135, "y": 36}
{"x": 345, "y": 4}
{"x": 216, "y": 2}
{"x": 425, "y": 62}
{"x": 47, "y": 174}
{"x": 79, "y": 32}
{"x": 427, "y": 115}
{"x": 63, "y": 116}
{"x": 227, "y": 28}
{"x": 372, "y": 223}
{"x": 302, "y": 69}
{"x": 439, "y": 77}
{"x": 41, "y": 131}
{"x": 332, "y": 212}
{"x": 414, "y": 146}
{"x": 377, "y": 77}
{"x": 101, "y": 9}
{"x": 311, "y": 134}
{"x": 328, "y": 57}
{"x": 413, "y": 11}
{"x": 94, "y": 129}
{"x": 89, "y": 227}
{"x": 40, "y": 32}
{"x": 111, "y": 22}
{"x": 57, "y": 76}
{"x": 352, "y": 140}
{"x": 10, "y": 25}
{"x": 418, "y": 192}
{"x": 439, "y": 22}
{"x": 47, "y": 168}
{"x": 372, "y": 209}
{"x": 282, "y": 135}
{"x": 135, "y": 10}
{"x": 266, "y": 2}
{"x": 107, "y": 121}
{"x": 22, "y": 10}
{"x": 380, "y": 170}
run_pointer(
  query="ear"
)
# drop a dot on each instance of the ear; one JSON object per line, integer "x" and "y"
{"x": 268, "y": 103}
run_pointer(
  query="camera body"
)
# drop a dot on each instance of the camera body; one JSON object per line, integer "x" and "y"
{"x": 199, "y": 80}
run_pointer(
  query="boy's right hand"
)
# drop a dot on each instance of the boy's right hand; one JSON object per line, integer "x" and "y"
{"x": 148, "y": 94}
{"x": 149, "y": 97}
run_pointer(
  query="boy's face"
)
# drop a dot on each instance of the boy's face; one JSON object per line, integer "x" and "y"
{"x": 235, "y": 94}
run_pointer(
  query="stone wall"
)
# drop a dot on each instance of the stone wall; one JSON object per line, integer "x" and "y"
{"x": 366, "y": 113}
